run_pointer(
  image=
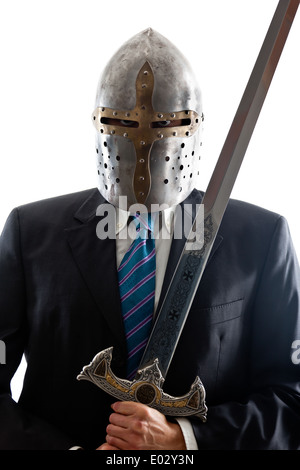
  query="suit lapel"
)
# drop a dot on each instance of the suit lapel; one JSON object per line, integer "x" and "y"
{"x": 96, "y": 261}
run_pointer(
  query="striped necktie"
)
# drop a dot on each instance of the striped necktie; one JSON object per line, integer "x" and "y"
{"x": 137, "y": 290}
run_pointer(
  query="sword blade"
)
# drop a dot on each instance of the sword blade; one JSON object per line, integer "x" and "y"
{"x": 191, "y": 265}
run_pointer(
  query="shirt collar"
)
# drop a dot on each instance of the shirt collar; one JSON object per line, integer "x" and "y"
{"x": 123, "y": 216}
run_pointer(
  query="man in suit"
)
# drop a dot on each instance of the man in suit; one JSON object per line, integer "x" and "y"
{"x": 60, "y": 301}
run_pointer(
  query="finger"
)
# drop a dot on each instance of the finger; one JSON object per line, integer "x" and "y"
{"x": 117, "y": 431}
{"x": 114, "y": 441}
{"x": 106, "y": 446}
{"x": 128, "y": 408}
{"x": 121, "y": 420}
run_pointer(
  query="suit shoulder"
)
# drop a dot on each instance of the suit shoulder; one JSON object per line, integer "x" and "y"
{"x": 58, "y": 208}
{"x": 245, "y": 210}
{"x": 251, "y": 222}
{"x": 59, "y": 201}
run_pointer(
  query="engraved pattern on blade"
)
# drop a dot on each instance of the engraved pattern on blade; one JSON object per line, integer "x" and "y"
{"x": 172, "y": 316}
{"x": 146, "y": 388}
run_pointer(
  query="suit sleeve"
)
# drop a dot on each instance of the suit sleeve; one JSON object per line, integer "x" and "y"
{"x": 18, "y": 429}
{"x": 268, "y": 417}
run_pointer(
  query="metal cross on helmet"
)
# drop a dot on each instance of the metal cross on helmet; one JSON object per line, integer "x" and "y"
{"x": 148, "y": 118}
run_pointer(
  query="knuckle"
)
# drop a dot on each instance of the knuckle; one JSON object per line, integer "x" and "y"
{"x": 138, "y": 425}
{"x": 113, "y": 418}
{"x": 138, "y": 443}
{"x": 148, "y": 412}
{"x": 108, "y": 428}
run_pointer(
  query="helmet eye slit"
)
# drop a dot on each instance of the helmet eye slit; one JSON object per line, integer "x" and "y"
{"x": 119, "y": 122}
{"x": 174, "y": 123}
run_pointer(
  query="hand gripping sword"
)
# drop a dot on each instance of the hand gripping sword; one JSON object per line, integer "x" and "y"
{"x": 147, "y": 385}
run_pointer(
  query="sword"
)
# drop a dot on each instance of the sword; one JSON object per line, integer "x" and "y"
{"x": 147, "y": 385}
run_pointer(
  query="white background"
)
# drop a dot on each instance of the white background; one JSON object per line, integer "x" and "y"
{"x": 52, "y": 54}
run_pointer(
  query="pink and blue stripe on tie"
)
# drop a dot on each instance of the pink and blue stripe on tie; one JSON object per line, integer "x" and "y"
{"x": 137, "y": 290}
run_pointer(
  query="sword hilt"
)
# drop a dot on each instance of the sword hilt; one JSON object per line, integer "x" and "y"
{"x": 146, "y": 388}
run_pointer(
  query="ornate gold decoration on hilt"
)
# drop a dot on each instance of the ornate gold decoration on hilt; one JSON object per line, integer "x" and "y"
{"x": 146, "y": 388}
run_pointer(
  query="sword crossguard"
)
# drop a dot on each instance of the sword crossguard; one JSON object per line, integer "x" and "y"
{"x": 146, "y": 388}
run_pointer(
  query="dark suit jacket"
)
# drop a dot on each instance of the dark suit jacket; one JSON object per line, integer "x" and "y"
{"x": 59, "y": 303}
